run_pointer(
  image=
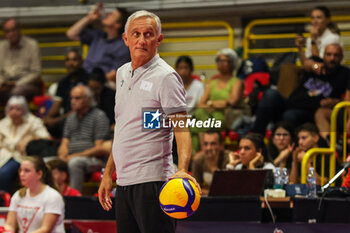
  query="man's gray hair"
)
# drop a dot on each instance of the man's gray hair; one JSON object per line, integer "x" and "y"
{"x": 17, "y": 100}
{"x": 337, "y": 44}
{"x": 143, "y": 14}
{"x": 88, "y": 94}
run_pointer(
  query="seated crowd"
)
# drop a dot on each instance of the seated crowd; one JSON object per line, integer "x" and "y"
{"x": 74, "y": 134}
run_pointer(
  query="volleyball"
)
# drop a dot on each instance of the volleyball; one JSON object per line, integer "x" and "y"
{"x": 179, "y": 198}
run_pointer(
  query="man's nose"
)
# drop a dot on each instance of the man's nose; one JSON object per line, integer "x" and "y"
{"x": 142, "y": 39}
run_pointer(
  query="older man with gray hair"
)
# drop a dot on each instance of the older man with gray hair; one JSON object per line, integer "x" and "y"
{"x": 142, "y": 156}
{"x": 83, "y": 135}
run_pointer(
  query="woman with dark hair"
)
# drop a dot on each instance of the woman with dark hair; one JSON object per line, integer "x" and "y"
{"x": 323, "y": 32}
{"x": 194, "y": 88}
{"x": 251, "y": 155}
{"x": 281, "y": 145}
{"x": 37, "y": 207}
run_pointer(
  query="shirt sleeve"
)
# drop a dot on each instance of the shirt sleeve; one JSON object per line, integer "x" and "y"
{"x": 34, "y": 66}
{"x": 172, "y": 94}
{"x": 54, "y": 204}
{"x": 308, "y": 48}
{"x": 102, "y": 126}
{"x": 14, "y": 202}
{"x": 66, "y": 127}
{"x": 39, "y": 130}
{"x": 87, "y": 36}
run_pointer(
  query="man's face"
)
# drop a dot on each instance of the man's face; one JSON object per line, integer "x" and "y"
{"x": 307, "y": 140}
{"x": 79, "y": 101}
{"x": 211, "y": 145}
{"x": 111, "y": 22}
{"x": 142, "y": 39}
{"x": 96, "y": 88}
{"x": 332, "y": 57}
{"x": 12, "y": 33}
{"x": 73, "y": 62}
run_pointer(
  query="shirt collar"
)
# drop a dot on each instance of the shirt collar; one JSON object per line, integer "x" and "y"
{"x": 147, "y": 65}
{"x": 20, "y": 43}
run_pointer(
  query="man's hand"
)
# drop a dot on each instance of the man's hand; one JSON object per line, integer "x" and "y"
{"x": 328, "y": 102}
{"x": 296, "y": 151}
{"x": 63, "y": 157}
{"x": 318, "y": 68}
{"x": 104, "y": 192}
{"x": 183, "y": 174}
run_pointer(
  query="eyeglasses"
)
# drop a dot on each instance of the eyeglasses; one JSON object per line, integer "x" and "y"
{"x": 222, "y": 61}
{"x": 8, "y": 30}
{"x": 282, "y": 135}
{"x": 76, "y": 97}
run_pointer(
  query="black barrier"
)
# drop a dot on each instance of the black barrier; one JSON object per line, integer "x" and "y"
{"x": 232, "y": 209}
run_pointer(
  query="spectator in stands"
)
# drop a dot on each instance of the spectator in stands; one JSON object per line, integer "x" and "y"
{"x": 60, "y": 175}
{"x": 54, "y": 120}
{"x": 106, "y": 48}
{"x": 251, "y": 155}
{"x": 213, "y": 157}
{"x": 103, "y": 95}
{"x": 20, "y": 65}
{"x": 224, "y": 91}
{"x": 281, "y": 145}
{"x": 17, "y": 129}
{"x": 323, "y": 84}
{"x": 37, "y": 207}
{"x": 84, "y": 133}
{"x": 308, "y": 138}
{"x": 223, "y": 96}
{"x": 323, "y": 32}
{"x": 194, "y": 88}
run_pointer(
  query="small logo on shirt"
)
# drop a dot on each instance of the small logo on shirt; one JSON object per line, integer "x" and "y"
{"x": 122, "y": 82}
{"x": 145, "y": 85}
{"x": 151, "y": 119}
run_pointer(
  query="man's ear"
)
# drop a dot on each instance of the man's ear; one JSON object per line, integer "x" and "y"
{"x": 125, "y": 39}
{"x": 160, "y": 38}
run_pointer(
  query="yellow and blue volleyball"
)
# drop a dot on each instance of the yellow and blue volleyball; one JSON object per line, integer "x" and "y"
{"x": 179, "y": 198}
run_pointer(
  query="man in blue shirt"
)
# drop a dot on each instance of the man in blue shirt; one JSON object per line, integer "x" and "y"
{"x": 106, "y": 47}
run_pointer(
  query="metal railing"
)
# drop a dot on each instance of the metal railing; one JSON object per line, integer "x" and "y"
{"x": 331, "y": 151}
{"x": 229, "y": 37}
{"x": 250, "y": 37}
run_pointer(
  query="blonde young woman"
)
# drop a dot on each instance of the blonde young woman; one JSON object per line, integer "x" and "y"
{"x": 37, "y": 207}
